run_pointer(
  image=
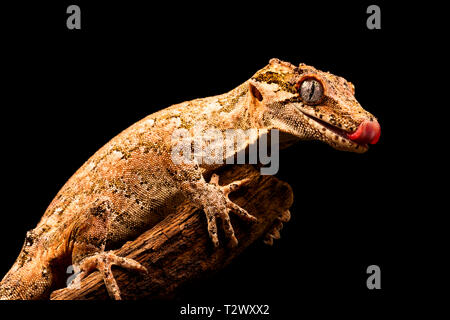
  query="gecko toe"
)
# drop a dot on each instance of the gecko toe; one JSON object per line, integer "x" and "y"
{"x": 241, "y": 212}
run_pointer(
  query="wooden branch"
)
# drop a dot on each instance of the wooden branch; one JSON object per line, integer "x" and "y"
{"x": 178, "y": 249}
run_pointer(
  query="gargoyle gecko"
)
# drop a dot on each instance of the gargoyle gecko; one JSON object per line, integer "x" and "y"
{"x": 131, "y": 183}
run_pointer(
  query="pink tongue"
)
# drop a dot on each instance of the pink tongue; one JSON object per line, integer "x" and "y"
{"x": 367, "y": 132}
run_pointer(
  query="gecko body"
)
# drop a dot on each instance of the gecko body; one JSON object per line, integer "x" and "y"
{"x": 132, "y": 182}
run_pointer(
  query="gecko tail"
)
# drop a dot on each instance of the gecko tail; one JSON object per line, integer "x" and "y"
{"x": 30, "y": 278}
{"x": 26, "y": 282}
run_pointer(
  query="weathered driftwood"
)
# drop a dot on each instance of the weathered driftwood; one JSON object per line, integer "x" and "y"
{"x": 178, "y": 249}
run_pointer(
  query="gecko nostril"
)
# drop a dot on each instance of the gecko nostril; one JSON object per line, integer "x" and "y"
{"x": 29, "y": 239}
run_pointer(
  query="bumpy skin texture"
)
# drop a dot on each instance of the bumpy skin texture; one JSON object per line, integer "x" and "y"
{"x": 131, "y": 183}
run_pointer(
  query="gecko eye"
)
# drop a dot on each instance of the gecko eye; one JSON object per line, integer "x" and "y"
{"x": 311, "y": 91}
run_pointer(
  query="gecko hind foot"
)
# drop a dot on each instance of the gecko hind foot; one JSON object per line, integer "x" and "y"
{"x": 103, "y": 262}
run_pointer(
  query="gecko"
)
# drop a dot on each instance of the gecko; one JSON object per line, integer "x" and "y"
{"x": 132, "y": 182}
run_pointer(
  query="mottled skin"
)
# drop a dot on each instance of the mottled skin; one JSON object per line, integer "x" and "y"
{"x": 131, "y": 183}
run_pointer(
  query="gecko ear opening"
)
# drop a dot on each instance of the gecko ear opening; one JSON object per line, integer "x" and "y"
{"x": 255, "y": 92}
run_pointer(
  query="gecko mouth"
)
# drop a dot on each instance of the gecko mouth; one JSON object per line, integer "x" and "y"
{"x": 335, "y": 136}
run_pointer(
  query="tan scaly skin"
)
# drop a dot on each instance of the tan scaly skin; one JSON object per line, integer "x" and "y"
{"x": 131, "y": 183}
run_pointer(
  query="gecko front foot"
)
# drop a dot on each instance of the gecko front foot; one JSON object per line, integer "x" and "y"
{"x": 274, "y": 232}
{"x": 214, "y": 201}
{"x": 103, "y": 262}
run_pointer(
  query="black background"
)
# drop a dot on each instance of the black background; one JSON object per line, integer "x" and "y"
{"x": 69, "y": 92}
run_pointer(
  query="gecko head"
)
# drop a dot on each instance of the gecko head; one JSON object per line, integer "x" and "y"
{"x": 310, "y": 104}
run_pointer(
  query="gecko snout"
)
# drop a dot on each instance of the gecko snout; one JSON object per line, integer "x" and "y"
{"x": 367, "y": 132}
